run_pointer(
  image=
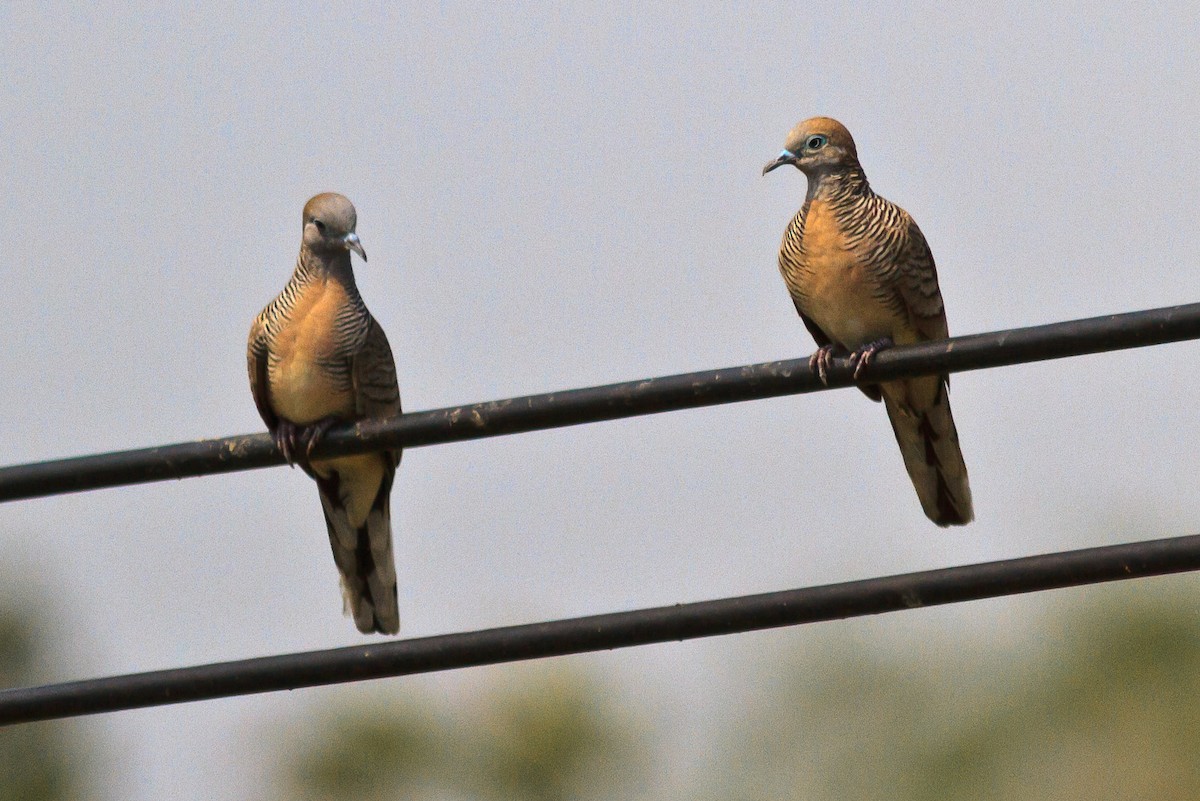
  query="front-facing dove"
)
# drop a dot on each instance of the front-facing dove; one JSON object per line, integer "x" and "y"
{"x": 317, "y": 357}
{"x": 862, "y": 278}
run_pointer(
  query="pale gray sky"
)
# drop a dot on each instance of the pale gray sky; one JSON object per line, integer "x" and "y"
{"x": 556, "y": 198}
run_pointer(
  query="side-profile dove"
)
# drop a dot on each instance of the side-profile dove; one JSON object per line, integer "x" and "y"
{"x": 862, "y": 278}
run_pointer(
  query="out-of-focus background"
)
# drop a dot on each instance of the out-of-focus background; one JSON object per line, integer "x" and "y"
{"x": 555, "y": 198}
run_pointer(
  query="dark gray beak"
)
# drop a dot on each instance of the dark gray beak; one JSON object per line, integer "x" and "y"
{"x": 352, "y": 243}
{"x": 785, "y": 157}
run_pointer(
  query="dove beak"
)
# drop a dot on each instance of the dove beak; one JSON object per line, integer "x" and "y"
{"x": 785, "y": 157}
{"x": 352, "y": 243}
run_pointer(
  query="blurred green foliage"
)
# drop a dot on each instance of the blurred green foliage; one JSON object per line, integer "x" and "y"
{"x": 546, "y": 736}
{"x": 38, "y": 762}
{"x": 1099, "y": 702}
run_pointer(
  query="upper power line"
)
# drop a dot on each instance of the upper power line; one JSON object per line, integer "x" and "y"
{"x": 610, "y": 402}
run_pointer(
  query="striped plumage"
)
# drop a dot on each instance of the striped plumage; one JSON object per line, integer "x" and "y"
{"x": 317, "y": 357}
{"x": 862, "y": 278}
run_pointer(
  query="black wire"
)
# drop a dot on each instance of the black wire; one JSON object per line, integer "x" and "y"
{"x": 385, "y": 658}
{"x": 594, "y": 404}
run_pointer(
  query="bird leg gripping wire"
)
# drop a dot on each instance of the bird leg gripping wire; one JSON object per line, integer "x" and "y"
{"x": 861, "y": 357}
{"x": 821, "y": 362}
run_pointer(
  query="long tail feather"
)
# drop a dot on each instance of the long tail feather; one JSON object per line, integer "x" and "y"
{"x": 364, "y": 558}
{"x": 929, "y": 444}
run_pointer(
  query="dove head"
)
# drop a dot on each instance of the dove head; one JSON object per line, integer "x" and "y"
{"x": 816, "y": 146}
{"x": 329, "y": 220}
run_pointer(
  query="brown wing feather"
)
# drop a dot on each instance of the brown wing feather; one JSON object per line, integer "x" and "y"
{"x": 256, "y": 365}
{"x": 373, "y": 371}
{"x": 918, "y": 283}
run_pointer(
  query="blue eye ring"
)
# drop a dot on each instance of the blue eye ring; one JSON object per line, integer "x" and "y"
{"x": 815, "y": 142}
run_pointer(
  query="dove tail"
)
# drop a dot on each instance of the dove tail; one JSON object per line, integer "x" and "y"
{"x": 364, "y": 558}
{"x": 929, "y": 444}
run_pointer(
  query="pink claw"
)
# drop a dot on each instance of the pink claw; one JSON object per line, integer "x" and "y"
{"x": 313, "y": 434}
{"x": 285, "y": 438}
{"x": 861, "y": 357}
{"x": 821, "y": 361}
{"x": 297, "y": 442}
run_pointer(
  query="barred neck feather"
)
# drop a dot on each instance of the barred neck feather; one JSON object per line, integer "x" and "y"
{"x": 312, "y": 266}
{"x": 353, "y": 319}
{"x": 871, "y": 225}
{"x": 842, "y": 186}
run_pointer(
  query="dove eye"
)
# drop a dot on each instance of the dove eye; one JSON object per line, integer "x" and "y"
{"x": 320, "y": 225}
{"x": 815, "y": 142}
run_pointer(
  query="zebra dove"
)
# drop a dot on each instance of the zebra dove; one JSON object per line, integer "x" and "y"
{"x": 316, "y": 357}
{"x": 862, "y": 278}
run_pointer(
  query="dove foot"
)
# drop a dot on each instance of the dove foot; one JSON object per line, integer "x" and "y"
{"x": 821, "y": 361}
{"x": 297, "y": 442}
{"x": 861, "y": 357}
